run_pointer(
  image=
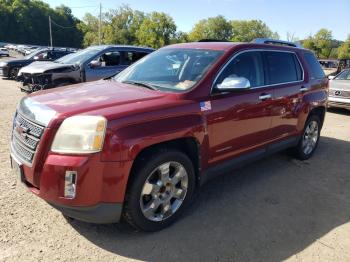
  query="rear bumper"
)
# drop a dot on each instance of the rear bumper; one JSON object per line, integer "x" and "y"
{"x": 339, "y": 102}
{"x": 103, "y": 213}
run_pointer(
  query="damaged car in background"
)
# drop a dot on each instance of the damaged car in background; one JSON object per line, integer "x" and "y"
{"x": 90, "y": 64}
{"x": 10, "y": 68}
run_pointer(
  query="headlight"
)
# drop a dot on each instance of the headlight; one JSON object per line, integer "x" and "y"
{"x": 3, "y": 64}
{"x": 80, "y": 134}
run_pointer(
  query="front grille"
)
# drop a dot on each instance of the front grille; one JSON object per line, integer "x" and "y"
{"x": 339, "y": 93}
{"x": 26, "y": 137}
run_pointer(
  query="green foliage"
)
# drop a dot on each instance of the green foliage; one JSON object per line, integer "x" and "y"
{"x": 212, "y": 28}
{"x": 246, "y": 31}
{"x": 156, "y": 30}
{"x": 344, "y": 50}
{"x": 322, "y": 43}
{"x": 26, "y": 21}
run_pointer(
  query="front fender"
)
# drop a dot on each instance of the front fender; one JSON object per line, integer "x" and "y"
{"x": 127, "y": 142}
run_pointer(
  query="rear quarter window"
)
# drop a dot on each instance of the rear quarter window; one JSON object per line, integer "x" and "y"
{"x": 282, "y": 67}
{"x": 314, "y": 66}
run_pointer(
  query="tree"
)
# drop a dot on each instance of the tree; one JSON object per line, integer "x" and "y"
{"x": 323, "y": 43}
{"x": 344, "y": 50}
{"x": 212, "y": 28}
{"x": 122, "y": 24}
{"x": 246, "y": 31}
{"x": 156, "y": 30}
{"x": 27, "y": 22}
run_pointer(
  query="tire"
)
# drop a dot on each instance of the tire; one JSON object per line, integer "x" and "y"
{"x": 309, "y": 139}
{"x": 152, "y": 208}
{"x": 13, "y": 73}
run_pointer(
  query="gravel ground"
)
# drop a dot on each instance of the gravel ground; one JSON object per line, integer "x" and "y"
{"x": 276, "y": 209}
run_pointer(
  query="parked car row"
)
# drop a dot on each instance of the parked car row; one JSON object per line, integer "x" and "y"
{"x": 4, "y": 52}
{"x": 138, "y": 145}
{"x": 10, "y": 68}
{"x": 27, "y": 49}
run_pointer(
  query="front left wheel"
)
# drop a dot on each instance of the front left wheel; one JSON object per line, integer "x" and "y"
{"x": 161, "y": 187}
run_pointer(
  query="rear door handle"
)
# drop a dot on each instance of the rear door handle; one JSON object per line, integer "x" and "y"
{"x": 264, "y": 96}
{"x": 304, "y": 89}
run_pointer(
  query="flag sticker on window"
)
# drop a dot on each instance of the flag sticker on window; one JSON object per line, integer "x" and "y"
{"x": 205, "y": 106}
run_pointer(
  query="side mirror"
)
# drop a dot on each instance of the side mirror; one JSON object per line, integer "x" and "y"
{"x": 331, "y": 77}
{"x": 233, "y": 83}
{"x": 95, "y": 64}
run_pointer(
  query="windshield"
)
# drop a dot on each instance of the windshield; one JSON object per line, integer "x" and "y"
{"x": 345, "y": 75}
{"x": 33, "y": 53}
{"x": 173, "y": 69}
{"x": 78, "y": 57}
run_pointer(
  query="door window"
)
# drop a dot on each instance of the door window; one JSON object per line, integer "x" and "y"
{"x": 131, "y": 57}
{"x": 282, "y": 67}
{"x": 247, "y": 65}
{"x": 109, "y": 59}
{"x": 316, "y": 71}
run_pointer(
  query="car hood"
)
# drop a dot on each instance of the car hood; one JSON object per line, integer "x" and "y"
{"x": 103, "y": 97}
{"x": 40, "y": 67}
{"x": 18, "y": 61}
{"x": 339, "y": 84}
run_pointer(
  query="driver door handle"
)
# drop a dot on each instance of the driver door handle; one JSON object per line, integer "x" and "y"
{"x": 264, "y": 96}
{"x": 304, "y": 89}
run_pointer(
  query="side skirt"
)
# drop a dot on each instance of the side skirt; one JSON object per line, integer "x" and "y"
{"x": 246, "y": 158}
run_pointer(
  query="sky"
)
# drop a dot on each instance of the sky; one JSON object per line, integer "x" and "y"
{"x": 298, "y": 17}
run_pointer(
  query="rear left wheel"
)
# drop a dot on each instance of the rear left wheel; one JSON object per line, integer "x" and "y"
{"x": 310, "y": 138}
{"x": 159, "y": 190}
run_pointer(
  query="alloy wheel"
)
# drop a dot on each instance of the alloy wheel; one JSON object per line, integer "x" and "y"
{"x": 164, "y": 191}
{"x": 310, "y": 137}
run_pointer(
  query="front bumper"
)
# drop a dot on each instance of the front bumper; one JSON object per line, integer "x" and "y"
{"x": 339, "y": 102}
{"x": 102, "y": 213}
{"x": 100, "y": 186}
{"x": 4, "y": 71}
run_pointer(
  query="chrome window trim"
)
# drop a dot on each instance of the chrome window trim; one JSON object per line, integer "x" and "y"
{"x": 257, "y": 87}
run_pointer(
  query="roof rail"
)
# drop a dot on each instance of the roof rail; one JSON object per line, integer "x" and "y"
{"x": 275, "y": 42}
{"x": 211, "y": 40}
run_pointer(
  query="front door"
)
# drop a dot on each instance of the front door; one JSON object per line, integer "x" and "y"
{"x": 105, "y": 65}
{"x": 240, "y": 120}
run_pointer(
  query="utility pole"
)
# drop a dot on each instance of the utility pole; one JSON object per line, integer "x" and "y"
{"x": 100, "y": 25}
{"x": 50, "y": 31}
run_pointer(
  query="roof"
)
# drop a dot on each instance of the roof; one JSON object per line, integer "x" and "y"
{"x": 225, "y": 46}
{"x": 101, "y": 47}
{"x": 206, "y": 45}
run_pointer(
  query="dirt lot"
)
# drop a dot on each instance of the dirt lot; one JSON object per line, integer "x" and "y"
{"x": 275, "y": 209}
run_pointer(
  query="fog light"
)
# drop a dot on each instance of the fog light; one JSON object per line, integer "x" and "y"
{"x": 70, "y": 181}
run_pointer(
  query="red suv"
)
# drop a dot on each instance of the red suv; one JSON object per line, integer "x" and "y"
{"x": 138, "y": 145}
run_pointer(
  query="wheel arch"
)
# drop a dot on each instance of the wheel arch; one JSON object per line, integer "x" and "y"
{"x": 190, "y": 146}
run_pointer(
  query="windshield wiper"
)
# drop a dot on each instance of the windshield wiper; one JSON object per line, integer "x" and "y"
{"x": 149, "y": 86}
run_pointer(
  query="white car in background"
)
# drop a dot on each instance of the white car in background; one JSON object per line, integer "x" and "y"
{"x": 4, "y": 52}
{"x": 339, "y": 90}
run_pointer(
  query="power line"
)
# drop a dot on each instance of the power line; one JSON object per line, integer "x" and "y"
{"x": 64, "y": 27}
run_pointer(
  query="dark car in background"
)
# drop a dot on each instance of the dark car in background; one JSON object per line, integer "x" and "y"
{"x": 11, "y": 67}
{"x": 90, "y": 64}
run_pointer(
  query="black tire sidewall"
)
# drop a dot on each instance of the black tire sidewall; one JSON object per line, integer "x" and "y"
{"x": 134, "y": 214}
{"x": 13, "y": 69}
{"x": 300, "y": 153}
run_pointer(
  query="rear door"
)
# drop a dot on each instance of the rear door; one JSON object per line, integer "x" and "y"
{"x": 240, "y": 120}
{"x": 285, "y": 74}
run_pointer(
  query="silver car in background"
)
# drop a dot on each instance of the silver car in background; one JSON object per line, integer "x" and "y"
{"x": 339, "y": 90}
